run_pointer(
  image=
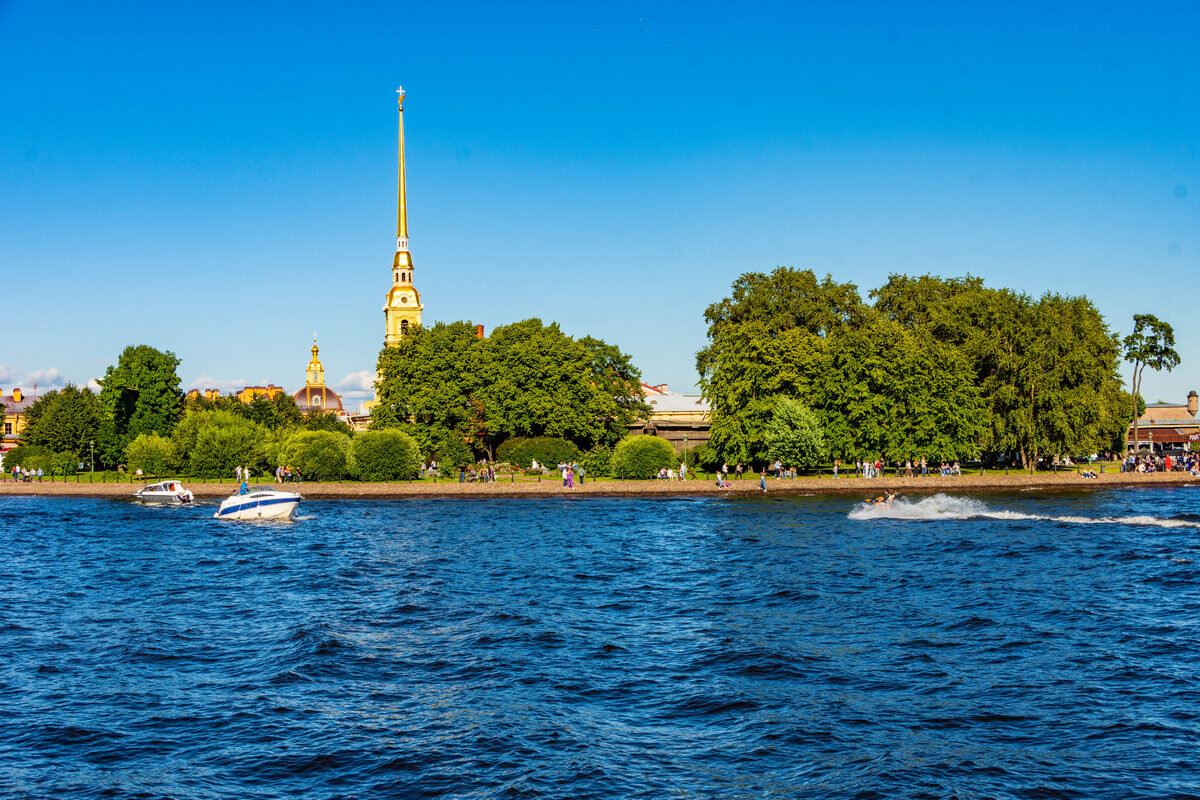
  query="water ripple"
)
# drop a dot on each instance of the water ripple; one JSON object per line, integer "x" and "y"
{"x": 1035, "y": 645}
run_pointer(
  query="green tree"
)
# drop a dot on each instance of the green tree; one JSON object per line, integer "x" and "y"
{"x": 525, "y": 379}
{"x": 277, "y": 413}
{"x": 641, "y": 457}
{"x": 151, "y": 453}
{"x": 1046, "y": 369}
{"x": 425, "y": 382}
{"x": 1152, "y": 344}
{"x": 319, "y": 455}
{"x": 326, "y": 421}
{"x": 139, "y": 395}
{"x": 212, "y": 443}
{"x": 64, "y": 421}
{"x": 614, "y": 375}
{"x": 794, "y": 435}
{"x": 386, "y": 455}
{"x": 881, "y": 390}
{"x": 764, "y": 341}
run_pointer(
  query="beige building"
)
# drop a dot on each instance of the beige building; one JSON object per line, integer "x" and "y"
{"x": 681, "y": 419}
{"x": 1168, "y": 425}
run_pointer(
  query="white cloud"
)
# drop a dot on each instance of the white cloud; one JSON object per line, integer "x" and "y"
{"x": 94, "y": 385}
{"x": 356, "y": 383}
{"x": 7, "y": 374}
{"x": 225, "y": 387}
{"x": 45, "y": 377}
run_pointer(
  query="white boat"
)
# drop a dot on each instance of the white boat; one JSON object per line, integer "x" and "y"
{"x": 259, "y": 502}
{"x": 167, "y": 493}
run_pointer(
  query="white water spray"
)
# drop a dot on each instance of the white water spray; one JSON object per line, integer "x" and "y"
{"x": 941, "y": 506}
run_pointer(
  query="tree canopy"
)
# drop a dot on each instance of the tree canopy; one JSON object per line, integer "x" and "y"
{"x": 65, "y": 420}
{"x": 139, "y": 395}
{"x": 941, "y": 368}
{"x": 525, "y": 379}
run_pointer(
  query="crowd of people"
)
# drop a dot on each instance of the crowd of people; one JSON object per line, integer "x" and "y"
{"x": 1185, "y": 462}
{"x": 22, "y": 474}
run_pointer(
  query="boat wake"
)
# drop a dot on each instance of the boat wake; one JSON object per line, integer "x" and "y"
{"x": 941, "y": 506}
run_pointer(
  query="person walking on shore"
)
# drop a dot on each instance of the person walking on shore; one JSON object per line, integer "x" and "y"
{"x": 739, "y": 471}
{"x": 237, "y": 473}
{"x": 762, "y": 481}
{"x": 837, "y": 462}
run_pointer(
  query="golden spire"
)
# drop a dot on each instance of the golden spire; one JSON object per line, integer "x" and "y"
{"x": 403, "y": 307}
{"x": 402, "y": 195}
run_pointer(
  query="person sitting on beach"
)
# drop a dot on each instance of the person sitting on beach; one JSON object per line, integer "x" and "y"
{"x": 723, "y": 482}
{"x": 1089, "y": 473}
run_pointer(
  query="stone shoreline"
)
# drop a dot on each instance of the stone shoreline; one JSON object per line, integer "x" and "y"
{"x": 608, "y": 488}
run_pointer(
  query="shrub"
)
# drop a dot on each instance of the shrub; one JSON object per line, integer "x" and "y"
{"x": 29, "y": 456}
{"x": 641, "y": 457}
{"x": 319, "y": 455}
{"x": 548, "y": 451}
{"x": 386, "y": 455}
{"x": 152, "y": 453}
{"x": 597, "y": 462}
{"x": 63, "y": 464}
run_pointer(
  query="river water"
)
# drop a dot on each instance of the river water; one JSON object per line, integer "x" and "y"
{"x": 1026, "y": 645}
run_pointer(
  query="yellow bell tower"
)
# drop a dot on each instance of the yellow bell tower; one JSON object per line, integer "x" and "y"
{"x": 403, "y": 308}
{"x": 315, "y": 374}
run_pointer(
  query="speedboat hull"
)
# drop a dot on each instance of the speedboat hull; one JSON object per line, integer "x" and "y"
{"x": 170, "y": 493}
{"x": 259, "y": 505}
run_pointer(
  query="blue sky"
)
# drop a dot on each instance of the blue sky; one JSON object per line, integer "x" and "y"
{"x": 218, "y": 179}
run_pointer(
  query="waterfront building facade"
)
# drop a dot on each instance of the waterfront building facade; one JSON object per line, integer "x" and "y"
{"x": 1169, "y": 426}
{"x": 683, "y": 420}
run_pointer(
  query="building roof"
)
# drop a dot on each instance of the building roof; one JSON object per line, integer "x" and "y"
{"x": 318, "y": 398}
{"x": 16, "y": 406}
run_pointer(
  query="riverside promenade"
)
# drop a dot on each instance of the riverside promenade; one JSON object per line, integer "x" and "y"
{"x": 748, "y": 486}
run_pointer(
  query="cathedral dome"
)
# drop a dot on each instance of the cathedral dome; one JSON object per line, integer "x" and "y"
{"x": 317, "y": 398}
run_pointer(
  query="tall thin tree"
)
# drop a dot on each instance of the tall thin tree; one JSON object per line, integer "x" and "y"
{"x": 1152, "y": 344}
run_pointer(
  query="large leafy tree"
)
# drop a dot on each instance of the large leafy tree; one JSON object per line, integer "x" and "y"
{"x": 1046, "y": 369}
{"x": 525, "y": 379}
{"x": 942, "y": 368}
{"x": 66, "y": 420}
{"x": 139, "y": 395}
{"x": 212, "y": 443}
{"x": 884, "y": 391}
{"x": 765, "y": 341}
{"x": 1152, "y": 344}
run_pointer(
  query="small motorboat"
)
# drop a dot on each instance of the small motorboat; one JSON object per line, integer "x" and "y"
{"x": 259, "y": 502}
{"x": 167, "y": 493}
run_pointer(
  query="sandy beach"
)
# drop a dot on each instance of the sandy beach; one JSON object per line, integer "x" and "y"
{"x": 614, "y": 488}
